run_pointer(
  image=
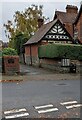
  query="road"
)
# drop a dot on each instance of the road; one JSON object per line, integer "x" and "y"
{"x": 29, "y": 94}
{"x": 49, "y": 98}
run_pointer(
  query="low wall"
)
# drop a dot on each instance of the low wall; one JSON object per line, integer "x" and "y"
{"x": 57, "y": 66}
{"x": 11, "y": 64}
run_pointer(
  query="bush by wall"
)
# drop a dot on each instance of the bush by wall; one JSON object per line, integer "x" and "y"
{"x": 71, "y": 51}
{"x": 8, "y": 51}
{"x": 0, "y": 53}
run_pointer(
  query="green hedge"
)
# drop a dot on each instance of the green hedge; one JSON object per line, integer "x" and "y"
{"x": 0, "y": 53}
{"x": 71, "y": 51}
{"x": 8, "y": 51}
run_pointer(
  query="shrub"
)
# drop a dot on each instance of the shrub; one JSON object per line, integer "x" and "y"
{"x": 0, "y": 53}
{"x": 60, "y": 51}
{"x": 8, "y": 51}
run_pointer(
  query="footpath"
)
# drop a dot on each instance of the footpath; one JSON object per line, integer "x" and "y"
{"x": 34, "y": 73}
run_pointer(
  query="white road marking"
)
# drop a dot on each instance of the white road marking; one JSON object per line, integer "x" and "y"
{"x": 70, "y": 102}
{"x": 44, "y": 106}
{"x": 17, "y": 115}
{"x": 15, "y": 111}
{"x": 48, "y": 110}
{"x": 73, "y": 106}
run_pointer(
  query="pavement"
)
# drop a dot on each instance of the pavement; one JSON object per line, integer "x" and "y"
{"x": 36, "y": 73}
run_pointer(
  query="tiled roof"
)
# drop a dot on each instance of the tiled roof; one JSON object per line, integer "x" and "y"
{"x": 40, "y": 33}
{"x": 65, "y": 17}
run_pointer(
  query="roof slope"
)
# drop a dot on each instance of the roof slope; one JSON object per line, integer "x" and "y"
{"x": 77, "y": 18}
{"x": 39, "y": 34}
{"x": 65, "y": 17}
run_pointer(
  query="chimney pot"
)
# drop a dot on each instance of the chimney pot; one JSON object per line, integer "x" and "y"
{"x": 71, "y": 9}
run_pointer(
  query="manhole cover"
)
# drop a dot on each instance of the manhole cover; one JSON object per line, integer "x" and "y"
{"x": 62, "y": 84}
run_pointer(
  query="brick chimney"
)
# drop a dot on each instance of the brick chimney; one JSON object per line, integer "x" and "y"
{"x": 40, "y": 22}
{"x": 71, "y": 9}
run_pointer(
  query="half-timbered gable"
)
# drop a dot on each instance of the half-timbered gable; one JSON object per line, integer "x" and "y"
{"x": 58, "y": 34}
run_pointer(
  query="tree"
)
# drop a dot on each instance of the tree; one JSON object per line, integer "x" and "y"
{"x": 19, "y": 40}
{"x": 24, "y": 23}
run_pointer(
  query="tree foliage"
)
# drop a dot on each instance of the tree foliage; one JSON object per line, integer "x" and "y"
{"x": 19, "y": 40}
{"x": 24, "y": 22}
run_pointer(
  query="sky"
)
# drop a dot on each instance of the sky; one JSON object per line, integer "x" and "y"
{"x": 9, "y": 7}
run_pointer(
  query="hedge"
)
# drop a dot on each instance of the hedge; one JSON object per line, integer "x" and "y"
{"x": 0, "y": 53}
{"x": 8, "y": 51}
{"x": 70, "y": 51}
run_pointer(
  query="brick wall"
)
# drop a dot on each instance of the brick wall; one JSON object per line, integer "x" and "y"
{"x": 27, "y": 50}
{"x": 11, "y": 64}
{"x": 53, "y": 64}
{"x": 79, "y": 28}
{"x": 69, "y": 28}
{"x": 56, "y": 65}
{"x": 31, "y": 54}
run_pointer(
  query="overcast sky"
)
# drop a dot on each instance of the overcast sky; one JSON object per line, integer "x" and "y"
{"x": 8, "y": 8}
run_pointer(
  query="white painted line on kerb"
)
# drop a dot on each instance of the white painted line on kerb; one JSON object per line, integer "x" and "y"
{"x": 44, "y": 106}
{"x": 48, "y": 110}
{"x": 15, "y": 111}
{"x": 74, "y": 106}
{"x": 17, "y": 115}
{"x": 70, "y": 102}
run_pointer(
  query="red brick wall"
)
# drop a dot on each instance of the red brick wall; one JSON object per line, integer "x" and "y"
{"x": 33, "y": 58}
{"x": 34, "y": 50}
{"x": 27, "y": 50}
{"x": 31, "y": 54}
{"x": 79, "y": 28}
{"x": 69, "y": 28}
{"x": 11, "y": 64}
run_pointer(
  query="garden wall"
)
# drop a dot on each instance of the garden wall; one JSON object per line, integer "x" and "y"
{"x": 11, "y": 64}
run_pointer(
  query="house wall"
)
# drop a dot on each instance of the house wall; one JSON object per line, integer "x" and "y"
{"x": 31, "y": 54}
{"x": 79, "y": 28}
{"x": 27, "y": 55}
{"x": 69, "y": 28}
